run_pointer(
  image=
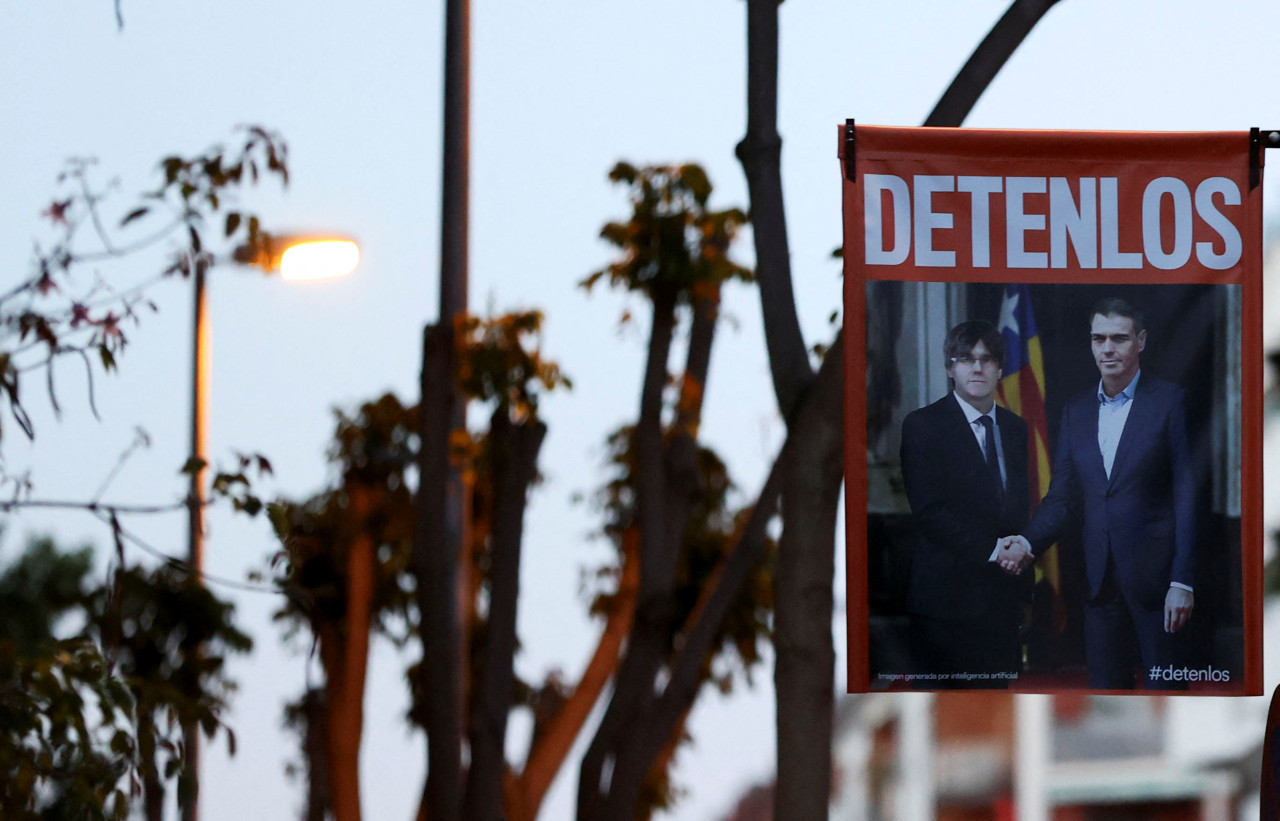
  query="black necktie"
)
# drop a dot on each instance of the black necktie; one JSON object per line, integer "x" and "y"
{"x": 993, "y": 459}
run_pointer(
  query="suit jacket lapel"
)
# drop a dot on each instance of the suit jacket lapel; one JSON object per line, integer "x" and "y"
{"x": 972, "y": 448}
{"x": 1015, "y": 453}
{"x": 1134, "y": 424}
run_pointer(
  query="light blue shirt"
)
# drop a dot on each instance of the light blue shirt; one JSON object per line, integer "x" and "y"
{"x": 1113, "y": 412}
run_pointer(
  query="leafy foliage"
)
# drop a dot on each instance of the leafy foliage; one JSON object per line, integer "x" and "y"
{"x": 672, "y": 240}
{"x": 84, "y": 721}
{"x": 88, "y": 724}
{"x": 374, "y": 451}
{"x": 167, "y": 636}
{"x": 372, "y": 448}
{"x": 66, "y": 749}
{"x": 39, "y": 589}
{"x": 502, "y": 361}
{"x": 53, "y": 756}
{"x": 713, "y": 531}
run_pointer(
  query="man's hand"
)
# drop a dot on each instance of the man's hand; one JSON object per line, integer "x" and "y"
{"x": 1178, "y": 604}
{"x": 1015, "y": 555}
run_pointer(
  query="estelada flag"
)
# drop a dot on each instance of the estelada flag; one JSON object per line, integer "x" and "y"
{"x": 938, "y": 206}
{"x": 1021, "y": 390}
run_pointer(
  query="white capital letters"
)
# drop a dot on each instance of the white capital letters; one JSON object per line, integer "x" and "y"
{"x": 1153, "y": 236}
{"x": 1109, "y": 208}
{"x": 1079, "y": 223}
{"x": 1018, "y": 222}
{"x": 927, "y": 220}
{"x": 872, "y": 186}
{"x": 1231, "y": 245}
{"x": 981, "y": 189}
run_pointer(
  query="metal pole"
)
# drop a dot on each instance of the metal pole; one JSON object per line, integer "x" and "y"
{"x": 200, "y": 367}
{"x": 440, "y": 533}
{"x": 457, "y": 138}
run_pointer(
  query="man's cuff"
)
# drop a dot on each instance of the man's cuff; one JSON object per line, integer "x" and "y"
{"x": 1182, "y": 586}
{"x": 995, "y": 553}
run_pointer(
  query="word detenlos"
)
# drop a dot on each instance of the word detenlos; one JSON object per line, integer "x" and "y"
{"x": 1049, "y": 222}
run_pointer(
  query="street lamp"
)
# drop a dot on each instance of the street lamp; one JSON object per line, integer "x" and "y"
{"x": 302, "y": 256}
{"x": 294, "y": 257}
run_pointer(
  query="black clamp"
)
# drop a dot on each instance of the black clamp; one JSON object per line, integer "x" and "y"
{"x": 850, "y": 152}
{"x": 1260, "y": 139}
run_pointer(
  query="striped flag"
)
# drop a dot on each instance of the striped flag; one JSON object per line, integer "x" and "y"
{"x": 1021, "y": 390}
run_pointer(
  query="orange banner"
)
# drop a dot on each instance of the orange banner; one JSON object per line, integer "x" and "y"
{"x": 950, "y": 235}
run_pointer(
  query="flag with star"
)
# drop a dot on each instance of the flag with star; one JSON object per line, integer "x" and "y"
{"x": 1021, "y": 390}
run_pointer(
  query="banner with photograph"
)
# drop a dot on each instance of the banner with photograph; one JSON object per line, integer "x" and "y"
{"x": 1053, "y": 410}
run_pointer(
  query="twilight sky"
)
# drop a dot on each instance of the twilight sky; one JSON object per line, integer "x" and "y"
{"x": 561, "y": 91}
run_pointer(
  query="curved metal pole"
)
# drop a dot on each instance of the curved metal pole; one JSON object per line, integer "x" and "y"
{"x": 986, "y": 61}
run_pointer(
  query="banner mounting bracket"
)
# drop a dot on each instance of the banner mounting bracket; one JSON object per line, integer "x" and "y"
{"x": 850, "y": 152}
{"x": 1259, "y": 140}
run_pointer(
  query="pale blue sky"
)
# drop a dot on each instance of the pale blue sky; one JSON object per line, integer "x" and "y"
{"x": 561, "y": 91}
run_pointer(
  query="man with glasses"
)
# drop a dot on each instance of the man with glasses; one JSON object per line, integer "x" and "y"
{"x": 1122, "y": 464}
{"x": 964, "y": 464}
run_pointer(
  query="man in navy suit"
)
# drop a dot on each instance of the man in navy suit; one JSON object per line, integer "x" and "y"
{"x": 964, "y": 464}
{"x": 1122, "y": 465}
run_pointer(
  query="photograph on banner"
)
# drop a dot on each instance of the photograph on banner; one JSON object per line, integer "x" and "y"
{"x": 1048, "y": 470}
{"x": 1154, "y": 508}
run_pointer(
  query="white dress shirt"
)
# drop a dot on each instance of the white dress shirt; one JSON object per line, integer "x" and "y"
{"x": 972, "y": 414}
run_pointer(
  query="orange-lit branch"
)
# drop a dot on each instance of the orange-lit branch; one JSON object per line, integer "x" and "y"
{"x": 526, "y": 792}
{"x": 344, "y": 653}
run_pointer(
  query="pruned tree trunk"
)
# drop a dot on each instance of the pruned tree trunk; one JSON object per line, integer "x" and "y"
{"x": 802, "y": 638}
{"x": 803, "y": 611}
{"x": 646, "y": 645}
{"x": 666, "y": 714}
{"x": 152, "y": 786}
{"x": 344, "y": 654}
{"x": 515, "y": 454}
{"x": 315, "y": 745}
{"x": 804, "y": 661}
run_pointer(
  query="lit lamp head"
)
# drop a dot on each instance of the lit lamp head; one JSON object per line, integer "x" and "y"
{"x": 302, "y": 257}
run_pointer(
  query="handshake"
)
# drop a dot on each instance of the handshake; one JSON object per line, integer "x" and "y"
{"x": 1013, "y": 553}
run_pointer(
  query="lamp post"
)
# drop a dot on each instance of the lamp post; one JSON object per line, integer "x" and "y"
{"x": 294, "y": 257}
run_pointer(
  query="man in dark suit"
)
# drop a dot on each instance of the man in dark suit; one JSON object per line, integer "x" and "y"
{"x": 964, "y": 463}
{"x": 1121, "y": 464}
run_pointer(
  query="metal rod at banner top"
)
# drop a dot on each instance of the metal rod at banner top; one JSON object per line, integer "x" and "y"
{"x": 850, "y": 152}
{"x": 1260, "y": 139}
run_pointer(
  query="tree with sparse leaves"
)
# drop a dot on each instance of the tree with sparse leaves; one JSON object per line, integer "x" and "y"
{"x": 88, "y": 722}
{"x": 344, "y": 562}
